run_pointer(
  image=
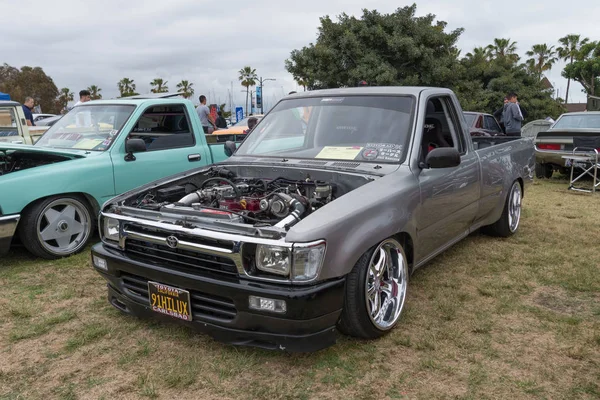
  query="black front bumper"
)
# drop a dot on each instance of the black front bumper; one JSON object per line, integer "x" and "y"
{"x": 222, "y": 306}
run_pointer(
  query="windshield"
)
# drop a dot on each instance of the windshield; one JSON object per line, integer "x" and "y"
{"x": 578, "y": 121}
{"x": 470, "y": 118}
{"x": 92, "y": 127}
{"x": 361, "y": 128}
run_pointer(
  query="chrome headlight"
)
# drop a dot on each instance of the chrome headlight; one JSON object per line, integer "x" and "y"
{"x": 307, "y": 261}
{"x": 273, "y": 259}
{"x": 110, "y": 229}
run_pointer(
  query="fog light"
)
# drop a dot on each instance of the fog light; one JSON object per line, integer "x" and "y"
{"x": 100, "y": 263}
{"x": 264, "y": 304}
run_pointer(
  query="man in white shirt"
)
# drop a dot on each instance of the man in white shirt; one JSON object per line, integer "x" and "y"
{"x": 83, "y": 118}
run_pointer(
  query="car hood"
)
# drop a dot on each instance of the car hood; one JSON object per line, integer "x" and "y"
{"x": 46, "y": 150}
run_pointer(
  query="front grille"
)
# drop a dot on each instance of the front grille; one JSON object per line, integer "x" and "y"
{"x": 203, "y": 305}
{"x": 182, "y": 260}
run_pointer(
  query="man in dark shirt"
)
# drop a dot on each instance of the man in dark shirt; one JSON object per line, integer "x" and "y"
{"x": 27, "y": 107}
{"x": 220, "y": 122}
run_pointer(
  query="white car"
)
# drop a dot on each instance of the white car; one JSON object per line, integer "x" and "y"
{"x": 39, "y": 117}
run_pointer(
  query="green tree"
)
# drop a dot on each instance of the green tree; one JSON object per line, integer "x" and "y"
{"x": 503, "y": 49}
{"x": 483, "y": 85}
{"x": 568, "y": 50}
{"x": 383, "y": 49}
{"x": 586, "y": 68}
{"x": 126, "y": 87}
{"x": 160, "y": 86}
{"x": 65, "y": 97}
{"x": 29, "y": 82}
{"x": 95, "y": 92}
{"x": 542, "y": 58}
{"x": 226, "y": 114}
{"x": 185, "y": 88}
{"x": 247, "y": 78}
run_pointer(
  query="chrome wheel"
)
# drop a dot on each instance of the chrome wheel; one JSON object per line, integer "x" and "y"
{"x": 63, "y": 226}
{"x": 514, "y": 207}
{"x": 386, "y": 284}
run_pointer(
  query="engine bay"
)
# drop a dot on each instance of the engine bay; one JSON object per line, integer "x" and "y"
{"x": 224, "y": 196}
{"x": 13, "y": 161}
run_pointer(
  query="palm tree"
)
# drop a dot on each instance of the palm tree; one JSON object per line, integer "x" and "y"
{"x": 543, "y": 57}
{"x": 503, "y": 49}
{"x": 94, "y": 92}
{"x": 248, "y": 78}
{"x": 302, "y": 82}
{"x": 478, "y": 55}
{"x": 186, "y": 89}
{"x": 126, "y": 87}
{"x": 568, "y": 51}
{"x": 160, "y": 86}
{"x": 65, "y": 97}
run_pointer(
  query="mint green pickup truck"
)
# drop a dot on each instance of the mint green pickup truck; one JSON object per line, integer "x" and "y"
{"x": 51, "y": 192}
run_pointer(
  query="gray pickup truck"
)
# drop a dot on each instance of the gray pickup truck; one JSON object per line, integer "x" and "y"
{"x": 316, "y": 222}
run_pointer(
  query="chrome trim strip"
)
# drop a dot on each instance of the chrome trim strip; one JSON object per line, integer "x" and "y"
{"x": 214, "y": 235}
{"x": 8, "y": 225}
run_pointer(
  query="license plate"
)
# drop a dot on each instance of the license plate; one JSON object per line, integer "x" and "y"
{"x": 170, "y": 301}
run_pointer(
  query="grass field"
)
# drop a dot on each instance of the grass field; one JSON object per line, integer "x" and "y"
{"x": 490, "y": 319}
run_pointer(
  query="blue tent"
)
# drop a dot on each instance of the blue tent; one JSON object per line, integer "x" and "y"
{"x": 4, "y": 96}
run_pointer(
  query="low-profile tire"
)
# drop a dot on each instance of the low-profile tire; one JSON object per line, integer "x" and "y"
{"x": 56, "y": 227}
{"x": 375, "y": 291}
{"x": 508, "y": 223}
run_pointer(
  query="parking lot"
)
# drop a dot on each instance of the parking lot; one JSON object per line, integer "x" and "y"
{"x": 513, "y": 318}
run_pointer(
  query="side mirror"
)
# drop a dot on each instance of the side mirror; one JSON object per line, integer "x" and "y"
{"x": 134, "y": 146}
{"x": 443, "y": 157}
{"x": 230, "y": 148}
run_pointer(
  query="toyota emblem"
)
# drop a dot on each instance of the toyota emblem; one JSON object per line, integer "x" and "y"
{"x": 172, "y": 242}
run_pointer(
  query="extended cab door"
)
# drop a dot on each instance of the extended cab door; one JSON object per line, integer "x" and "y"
{"x": 449, "y": 196}
{"x": 173, "y": 144}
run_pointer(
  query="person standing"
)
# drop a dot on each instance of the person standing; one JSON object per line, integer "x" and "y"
{"x": 27, "y": 107}
{"x": 84, "y": 96}
{"x": 512, "y": 116}
{"x": 84, "y": 117}
{"x": 204, "y": 114}
{"x": 220, "y": 122}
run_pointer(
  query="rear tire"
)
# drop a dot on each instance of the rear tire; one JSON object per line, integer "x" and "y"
{"x": 375, "y": 291}
{"x": 508, "y": 223}
{"x": 56, "y": 227}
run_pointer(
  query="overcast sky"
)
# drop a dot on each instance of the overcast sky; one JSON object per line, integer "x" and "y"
{"x": 80, "y": 43}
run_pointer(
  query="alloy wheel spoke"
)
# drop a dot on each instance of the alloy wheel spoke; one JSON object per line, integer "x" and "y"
{"x": 50, "y": 232}
{"x": 52, "y": 216}
{"x": 63, "y": 240}
{"x": 68, "y": 213}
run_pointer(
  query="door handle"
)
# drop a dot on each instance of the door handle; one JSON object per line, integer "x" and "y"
{"x": 194, "y": 157}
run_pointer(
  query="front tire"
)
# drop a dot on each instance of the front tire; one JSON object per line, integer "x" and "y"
{"x": 508, "y": 223}
{"x": 56, "y": 227}
{"x": 375, "y": 291}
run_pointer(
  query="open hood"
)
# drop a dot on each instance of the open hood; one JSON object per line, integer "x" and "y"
{"x": 46, "y": 150}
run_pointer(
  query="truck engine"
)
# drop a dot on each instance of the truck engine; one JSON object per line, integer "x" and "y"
{"x": 278, "y": 202}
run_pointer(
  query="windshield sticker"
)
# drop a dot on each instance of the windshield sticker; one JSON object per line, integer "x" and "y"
{"x": 87, "y": 144}
{"x": 113, "y": 132}
{"x": 382, "y": 151}
{"x": 339, "y": 153}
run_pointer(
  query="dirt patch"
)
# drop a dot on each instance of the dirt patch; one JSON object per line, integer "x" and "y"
{"x": 560, "y": 301}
